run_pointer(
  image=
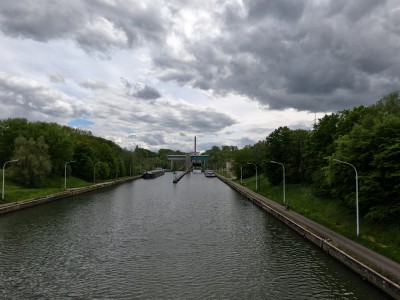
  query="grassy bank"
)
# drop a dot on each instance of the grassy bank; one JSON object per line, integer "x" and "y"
{"x": 14, "y": 192}
{"x": 382, "y": 238}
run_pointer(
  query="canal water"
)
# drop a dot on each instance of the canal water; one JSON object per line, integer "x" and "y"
{"x": 152, "y": 239}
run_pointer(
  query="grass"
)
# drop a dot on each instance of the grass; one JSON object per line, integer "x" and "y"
{"x": 382, "y": 238}
{"x": 50, "y": 185}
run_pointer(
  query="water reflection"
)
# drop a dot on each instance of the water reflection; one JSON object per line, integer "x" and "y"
{"x": 152, "y": 239}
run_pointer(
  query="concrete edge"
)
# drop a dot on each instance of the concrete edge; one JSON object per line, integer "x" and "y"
{"x": 10, "y": 207}
{"x": 373, "y": 276}
{"x": 176, "y": 180}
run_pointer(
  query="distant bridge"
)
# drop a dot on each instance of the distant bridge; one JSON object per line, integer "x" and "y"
{"x": 192, "y": 160}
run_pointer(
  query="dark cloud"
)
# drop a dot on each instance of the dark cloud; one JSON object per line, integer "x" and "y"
{"x": 193, "y": 119}
{"x": 289, "y": 10}
{"x": 96, "y": 26}
{"x": 154, "y": 139}
{"x": 41, "y": 20}
{"x": 147, "y": 92}
{"x": 209, "y": 121}
{"x": 355, "y": 10}
{"x": 307, "y": 55}
{"x": 139, "y": 90}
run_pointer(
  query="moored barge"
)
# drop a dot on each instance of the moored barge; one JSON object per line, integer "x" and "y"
{"x": 153, "y": 174}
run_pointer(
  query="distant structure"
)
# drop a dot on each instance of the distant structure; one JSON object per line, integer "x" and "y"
{"x": 193, "y": 161}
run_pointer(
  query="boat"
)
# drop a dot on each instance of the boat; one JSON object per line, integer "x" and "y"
{"x": 153, "y": 174}
{"x": 209, "y": 173}
{"x": 197, "y": 171}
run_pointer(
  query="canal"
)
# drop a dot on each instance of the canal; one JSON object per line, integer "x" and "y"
{"x": 151, "y": 239}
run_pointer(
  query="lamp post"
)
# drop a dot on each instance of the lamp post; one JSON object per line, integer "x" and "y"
{"x": 4, "y": 171}
{"x": 65, "y": 173}
{"x": 283, "y": 167}
{"x": 256, "y": 174}
{"x": 241, "y": 172}
{"x": 357, "y": 213}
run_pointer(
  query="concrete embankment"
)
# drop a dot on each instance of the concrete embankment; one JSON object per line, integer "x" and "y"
{"x": 9, "y": 207}
{"x": 377, "y": 269}
{"x": 179, "y": 177}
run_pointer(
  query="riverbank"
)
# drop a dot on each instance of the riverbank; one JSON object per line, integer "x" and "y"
{"x": 9, "y": 207}
{"x": 377, "y": 269}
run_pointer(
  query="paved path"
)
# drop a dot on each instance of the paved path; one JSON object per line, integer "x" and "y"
{"x": 370, "y": 258}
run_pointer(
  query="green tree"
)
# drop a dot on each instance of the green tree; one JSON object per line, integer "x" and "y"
{"x": 215, "y": 156}
{"x": 10, "y": 129}
{"x": 277, "y": 149}
{"x": 84, "y": 161}
{"x": 320, "y": 145}
{"x": 33, "y": 161}
{"x": 61, "y": 145}
{"x": 240, "y": 159}
{"x": 287, "y": 147}
{"x": 296, "y": 170}
{"x": 374, "y": 151}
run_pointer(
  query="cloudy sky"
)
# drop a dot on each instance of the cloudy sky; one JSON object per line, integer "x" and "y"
{"x": 156, "y": 73}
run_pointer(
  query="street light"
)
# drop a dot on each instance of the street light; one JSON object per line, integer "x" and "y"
{"x": 256, "y": 174}
{"x": 241, "y": 172}
{"x": 65, "y": 173}
{"x": 284, "y": 194}
{"x": 4, "y": 171}
{"x": 357, "y": 214}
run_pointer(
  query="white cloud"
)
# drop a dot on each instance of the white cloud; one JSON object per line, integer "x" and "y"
{"x": 93, "y": 84}
{"x": 228, "y": 72}
{"x": 27, "y": 94}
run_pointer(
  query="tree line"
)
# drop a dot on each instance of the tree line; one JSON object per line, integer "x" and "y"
{"x": 43, "y": 149}
{"x": 368, "y": 137}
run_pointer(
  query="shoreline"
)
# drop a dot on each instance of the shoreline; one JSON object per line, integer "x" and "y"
{"x": 377, "y": 269}
{"x": 13, "y": 206}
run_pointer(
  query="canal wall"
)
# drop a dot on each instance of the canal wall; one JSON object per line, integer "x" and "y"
{"x": 9, "y": 207}
{"x": 176, "y": 180}
{"x": 330, "y": 246}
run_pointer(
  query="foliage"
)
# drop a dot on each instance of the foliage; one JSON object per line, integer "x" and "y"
{"x": 375, "y": 151}
{"x": 65, "y": 144}
{"x": 286, "y": 146}
{"x": 241, "y": 158}
{"x": 220, "y": 156}
{"x": 10, "y": 129}
{"x": 367, "y": 137}
{"x": 33, "y": 161}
